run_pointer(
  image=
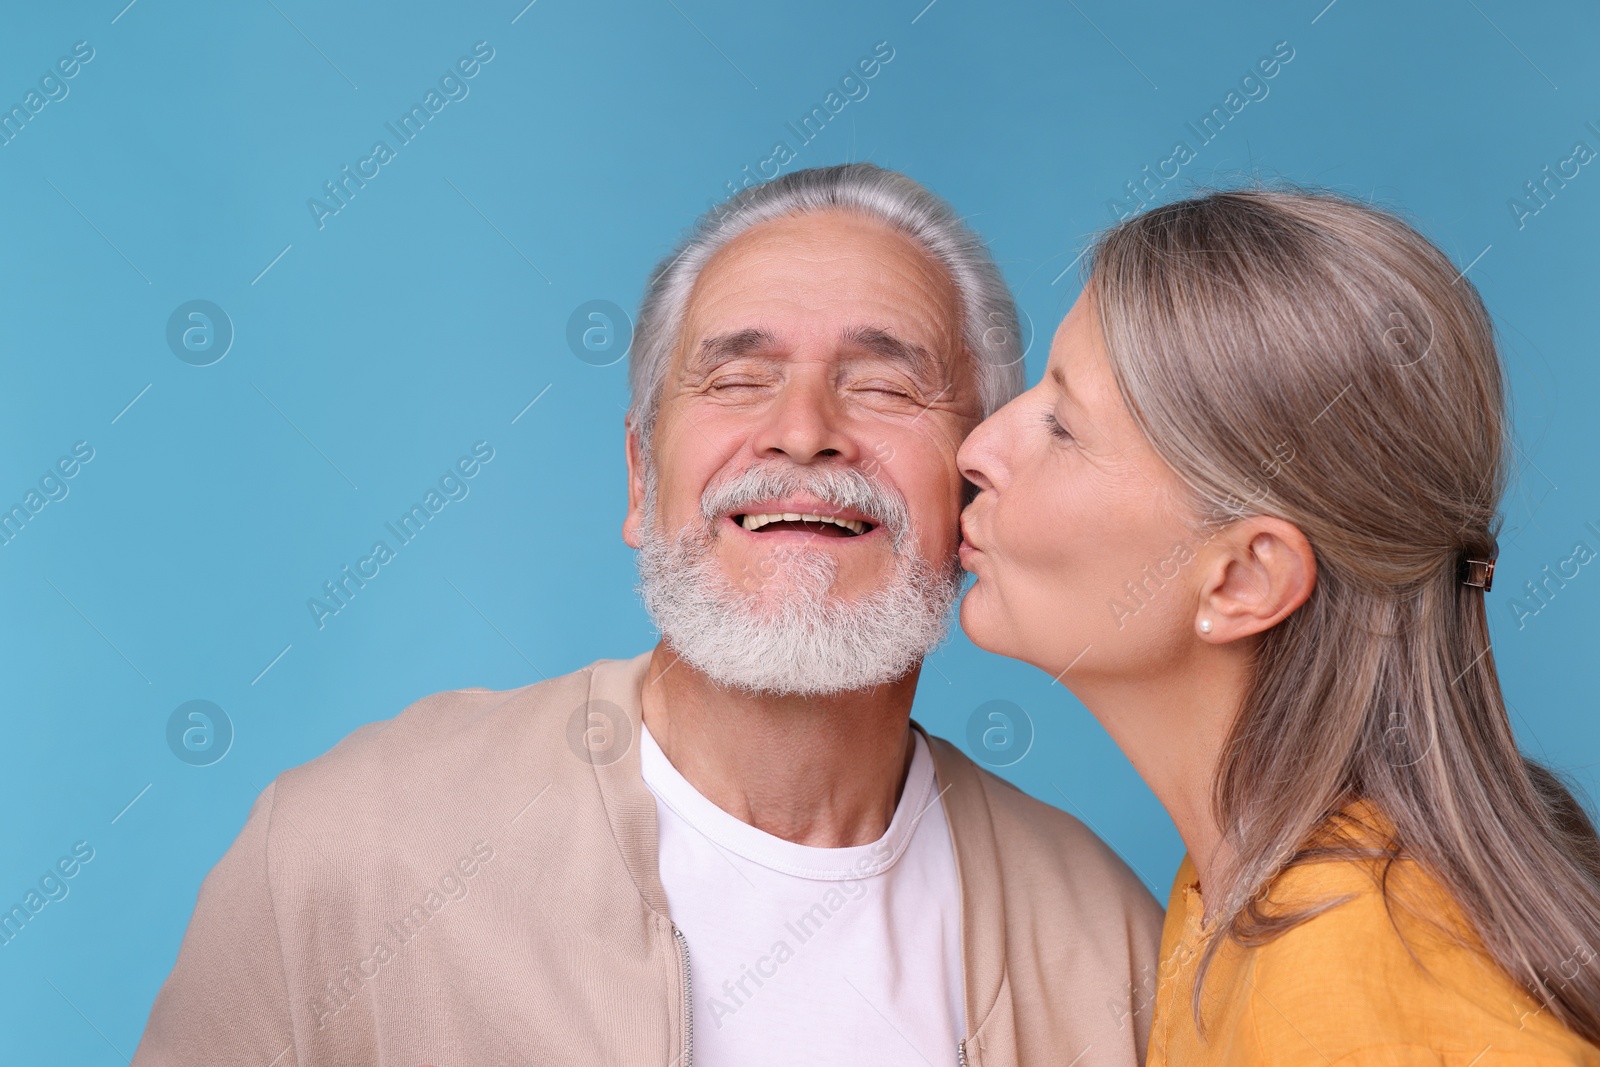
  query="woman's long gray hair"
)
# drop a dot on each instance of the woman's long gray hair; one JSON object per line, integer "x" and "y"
{"x": 1236, "y": 321}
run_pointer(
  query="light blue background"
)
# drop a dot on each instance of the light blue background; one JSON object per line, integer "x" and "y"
{"x": 432, "y": 309}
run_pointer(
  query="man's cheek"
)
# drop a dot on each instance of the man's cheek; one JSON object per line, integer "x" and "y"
{"x": 934, "y": 491}
{"x": 678, "y": 511}
{"x": 878, "y": 457}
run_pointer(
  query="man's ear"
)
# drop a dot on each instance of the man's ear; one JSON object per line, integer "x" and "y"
{"x": 1260, "y": 572}
{"x": 634, "y": 520}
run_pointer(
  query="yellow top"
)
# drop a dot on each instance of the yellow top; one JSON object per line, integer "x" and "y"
{"x": 1341, "y": 989}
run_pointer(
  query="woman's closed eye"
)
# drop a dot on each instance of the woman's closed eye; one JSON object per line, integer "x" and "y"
{"x": 1053, "y": 424}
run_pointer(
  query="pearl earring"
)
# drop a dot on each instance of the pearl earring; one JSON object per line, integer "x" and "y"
{"x": 1205, "y": 626}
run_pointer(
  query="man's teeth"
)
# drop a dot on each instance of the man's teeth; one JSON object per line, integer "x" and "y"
{"x": 755, "y": 522}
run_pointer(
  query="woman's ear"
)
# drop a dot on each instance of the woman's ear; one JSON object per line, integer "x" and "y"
{"x": 1262, "y": 570}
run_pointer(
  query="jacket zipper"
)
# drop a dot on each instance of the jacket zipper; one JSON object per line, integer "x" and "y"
{"x": 961, "y": 1053}
{"x": 688, "y": 1002}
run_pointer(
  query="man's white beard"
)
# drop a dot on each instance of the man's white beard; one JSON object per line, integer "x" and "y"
{"x": 778, "y": 629}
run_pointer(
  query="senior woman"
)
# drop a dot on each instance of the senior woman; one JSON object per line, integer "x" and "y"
{"x": 1248, "y": 517}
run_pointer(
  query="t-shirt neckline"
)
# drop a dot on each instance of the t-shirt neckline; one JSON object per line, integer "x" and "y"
{"x": 788, "y": 857}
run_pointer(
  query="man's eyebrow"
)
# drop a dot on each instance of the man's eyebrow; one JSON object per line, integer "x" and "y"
{"x": 717, "y": 349}
{"x": 881, "y": 342}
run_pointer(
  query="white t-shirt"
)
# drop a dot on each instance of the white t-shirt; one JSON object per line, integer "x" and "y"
{"x": 804, "y": 955}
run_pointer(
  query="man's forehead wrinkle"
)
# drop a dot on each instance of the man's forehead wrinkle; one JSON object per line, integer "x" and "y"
{"x": 906, "y": 309}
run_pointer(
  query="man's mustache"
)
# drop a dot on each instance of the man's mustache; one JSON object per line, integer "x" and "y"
{"x": 841, "y": 487}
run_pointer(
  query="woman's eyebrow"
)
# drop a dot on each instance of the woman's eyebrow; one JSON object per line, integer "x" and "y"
{"x": 1057, "y": 376}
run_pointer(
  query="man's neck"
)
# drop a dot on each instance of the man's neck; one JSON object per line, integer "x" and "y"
{"x": 820, "y": 771}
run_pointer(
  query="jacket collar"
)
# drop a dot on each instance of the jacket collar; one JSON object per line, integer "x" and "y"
{"x": 614, "y": 704}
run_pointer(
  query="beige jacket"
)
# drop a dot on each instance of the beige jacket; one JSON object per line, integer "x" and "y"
{"x": 475, "y": 883}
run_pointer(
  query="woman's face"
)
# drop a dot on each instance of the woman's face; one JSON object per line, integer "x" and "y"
{"x": 1079, "y": 537}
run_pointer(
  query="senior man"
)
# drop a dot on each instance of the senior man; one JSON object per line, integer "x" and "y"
{"x": 737, "y": 847}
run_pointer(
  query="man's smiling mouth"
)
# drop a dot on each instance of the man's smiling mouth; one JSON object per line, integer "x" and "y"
{"x": 822, "y": 525}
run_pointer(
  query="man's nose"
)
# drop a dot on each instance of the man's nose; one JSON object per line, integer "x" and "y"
{"x": 806, "y": 423}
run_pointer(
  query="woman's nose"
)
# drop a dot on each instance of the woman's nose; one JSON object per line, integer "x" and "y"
{"x": 976, "y": 458}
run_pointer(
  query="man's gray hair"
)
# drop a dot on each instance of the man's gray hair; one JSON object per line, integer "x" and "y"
{"x": 990, "y": 330}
